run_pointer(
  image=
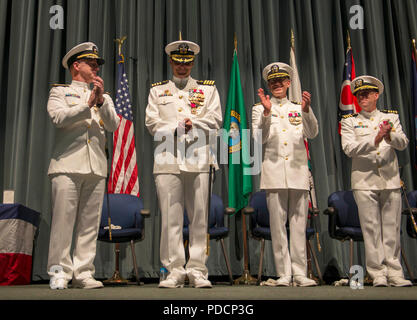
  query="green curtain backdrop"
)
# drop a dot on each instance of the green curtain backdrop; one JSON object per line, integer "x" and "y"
{"x": 30, "y": 62}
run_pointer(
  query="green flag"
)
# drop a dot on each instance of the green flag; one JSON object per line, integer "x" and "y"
{"x": 240, "y": 184}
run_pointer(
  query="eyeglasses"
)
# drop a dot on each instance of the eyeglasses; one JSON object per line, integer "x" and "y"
{"x": 279, "y": 81}
{"x": 364, "y": 93}
{"x": 186, "y": 64}
{"x": 91, "y": 62}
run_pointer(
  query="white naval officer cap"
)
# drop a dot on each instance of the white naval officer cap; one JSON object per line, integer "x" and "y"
{"x": 366, "y": 83}
{"x": 277, "y": 70}
{"x": 86, "y": 50}
{"x": 182, "y": 51}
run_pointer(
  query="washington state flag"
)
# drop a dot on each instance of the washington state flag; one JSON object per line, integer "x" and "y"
{"x": 240, "y": 184}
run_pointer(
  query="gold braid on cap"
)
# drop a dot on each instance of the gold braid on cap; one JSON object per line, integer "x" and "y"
{"x": 275, "y": 72}
{"x": 365, "y": 86}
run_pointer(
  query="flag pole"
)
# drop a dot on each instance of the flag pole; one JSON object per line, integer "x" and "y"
{"x": 348, "y": 41}
{"x": 292, "y": 40}
{"x": 116, "y": 277}
{"x": 246, "y": 277}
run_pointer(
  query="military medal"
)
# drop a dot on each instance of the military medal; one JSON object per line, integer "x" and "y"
{"x": 386, "y": 121}
{"x": 360, "y": 125}
{"x": 72, "y": 95}
{"x": 196, "y": 98}
{"x": 166, "y": 93}
{"x": 295, "y": 118}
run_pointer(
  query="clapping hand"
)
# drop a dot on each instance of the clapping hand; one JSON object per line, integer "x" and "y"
{"x": 96, "y": 96}
{"x": 305, "y": 103}
{"x": 266, "y": 101}
{"x": 384, "y": 132}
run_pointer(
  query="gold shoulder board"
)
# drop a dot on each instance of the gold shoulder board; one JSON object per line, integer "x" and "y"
{"x": 159, "y": 83}
{"x": 206, "y": 82}
{"x": 389, "y": 111}
{"x": 350, "y": 115}
{"x": 60, "y": 85}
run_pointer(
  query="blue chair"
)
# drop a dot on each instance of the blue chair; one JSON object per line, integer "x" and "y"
{"x": 217, "y": 229}
{"x": 344, "y": 221}
{"x": 412, "y": 199}
{"x": 410, "y": 226}
{"x": 259, "y": 227}
{"x": 127, "y": 212}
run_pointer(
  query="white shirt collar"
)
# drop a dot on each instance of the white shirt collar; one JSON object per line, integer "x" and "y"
{"x": 279, "y": 101}
{"x": 80, "y": 84}
{"x": 369, "y": 114}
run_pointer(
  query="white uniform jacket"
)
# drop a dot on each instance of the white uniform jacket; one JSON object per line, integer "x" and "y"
{"x": 373, "y": 168}
{"x": 79, "y": 131}
{"x": 167, "y": 106}
{"x": 284, "y": 164}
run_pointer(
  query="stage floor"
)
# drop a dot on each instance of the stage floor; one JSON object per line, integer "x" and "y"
{"x": 218, "y": 292}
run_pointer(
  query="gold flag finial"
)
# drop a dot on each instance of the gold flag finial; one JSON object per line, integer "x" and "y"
{"x": 235, "y": 41}
{"x": 180, "y": 36}
{"x": 348, "y": 40}
{"x": 120, "y": 42}
{"x": 292, "y": 39}
{"x": 413, "y": 41}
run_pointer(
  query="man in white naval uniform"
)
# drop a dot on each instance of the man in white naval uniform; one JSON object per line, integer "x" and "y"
{"x": 370, "y": 138}
{"x": 177, "y": 110}
{"x": 78, "y": 167}
{"x": 284, "y": 174}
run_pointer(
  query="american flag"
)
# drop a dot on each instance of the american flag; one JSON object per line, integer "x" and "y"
{"x": 124, "y": 170}
{"x": 348, "y": 102}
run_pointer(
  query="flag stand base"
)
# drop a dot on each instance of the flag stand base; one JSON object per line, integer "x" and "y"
{"x": 116, "y": 279}
{"x": 246, "y": 278}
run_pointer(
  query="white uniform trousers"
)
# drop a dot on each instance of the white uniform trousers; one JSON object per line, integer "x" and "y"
{"x": 380, "y": 219}
{"x": 291, "y": 204}
{"x": 77, "y": 201}
{"x": 187, "y": 190}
